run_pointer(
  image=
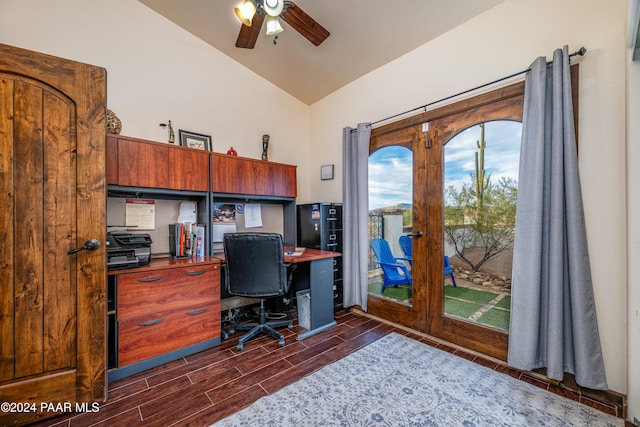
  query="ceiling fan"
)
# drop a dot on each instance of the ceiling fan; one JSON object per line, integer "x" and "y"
{"x": 252, "y": 13}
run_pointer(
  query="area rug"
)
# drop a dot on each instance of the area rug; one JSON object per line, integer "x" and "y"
{"x": 397, "y": 381}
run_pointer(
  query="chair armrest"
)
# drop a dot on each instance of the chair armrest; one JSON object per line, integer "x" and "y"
{"x": 395, "y": 264}
{"x": 400, "y": 266}
{"x": 405, "y": 258}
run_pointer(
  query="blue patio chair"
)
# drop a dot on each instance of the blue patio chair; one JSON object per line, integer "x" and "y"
{"x": 394, "y": 273}
{"x": 407, "y": 247}
{"x": 449, "y": 271}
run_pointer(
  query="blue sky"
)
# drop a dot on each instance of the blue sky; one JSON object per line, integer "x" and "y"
{"x": 390, "y": 168}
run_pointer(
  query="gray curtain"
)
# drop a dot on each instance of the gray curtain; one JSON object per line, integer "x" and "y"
{"x": 553, "y": 313}
{"x": 355, "y": 214}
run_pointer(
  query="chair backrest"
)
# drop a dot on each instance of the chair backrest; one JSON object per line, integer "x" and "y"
{"x": 406, "y": 245}
{"x": 447, "y": 266}
{"x": 382, "y": 250}
{"x": 255, "y": 264}
{"x": 383, "y": 253}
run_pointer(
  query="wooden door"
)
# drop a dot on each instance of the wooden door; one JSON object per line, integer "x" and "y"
{"x": 426, "y": 312}
{"x": 413, "y": 140}
{"x": 52, "y": 200}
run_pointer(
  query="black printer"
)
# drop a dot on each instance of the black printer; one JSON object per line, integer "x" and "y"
{"x": 127, "y": 250}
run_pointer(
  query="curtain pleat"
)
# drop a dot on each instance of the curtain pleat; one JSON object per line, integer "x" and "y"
{"x": 553, "y": 314}
{"x": 355, "y": 214}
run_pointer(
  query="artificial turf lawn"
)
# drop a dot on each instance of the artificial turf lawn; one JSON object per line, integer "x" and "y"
{"x": 459, "y": 302}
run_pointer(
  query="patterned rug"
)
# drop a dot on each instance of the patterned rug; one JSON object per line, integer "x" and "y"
{"x": 397, "y": 381}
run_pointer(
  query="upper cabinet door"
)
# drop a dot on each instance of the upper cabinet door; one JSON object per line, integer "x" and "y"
{"x": 282, "y": 179}
{"x": 188, "y": 169}
{"x": 143, "y": 164}
{"x": 238, "y": 175}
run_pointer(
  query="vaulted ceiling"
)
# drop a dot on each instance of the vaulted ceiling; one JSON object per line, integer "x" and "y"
{"x": 364, "y": 35}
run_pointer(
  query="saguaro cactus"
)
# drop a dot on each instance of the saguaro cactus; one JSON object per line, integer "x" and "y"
{"x": 482, "y": 182}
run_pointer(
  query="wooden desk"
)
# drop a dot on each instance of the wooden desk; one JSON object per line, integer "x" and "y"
{"x": 315, "y": 272}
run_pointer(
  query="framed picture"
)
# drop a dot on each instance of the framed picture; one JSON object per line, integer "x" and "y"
{"x": 195, "y": 140}
{"x": 326, "y": 172}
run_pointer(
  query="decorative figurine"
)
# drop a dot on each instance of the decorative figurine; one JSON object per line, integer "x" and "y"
{"x": 265, "y": 146}
{"x": 172, "y": 136}
{"x": 232, "y": 152}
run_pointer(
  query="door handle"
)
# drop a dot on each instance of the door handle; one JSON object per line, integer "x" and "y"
{"x": 90, "y": 245}
{"x": 416, "y": 234}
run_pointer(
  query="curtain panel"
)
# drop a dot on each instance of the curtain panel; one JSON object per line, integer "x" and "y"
{"x": 355, "y": 214}
{"x": 553, "y": 313}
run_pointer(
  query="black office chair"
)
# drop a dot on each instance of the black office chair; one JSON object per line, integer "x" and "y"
{"x": 256, "y": 268}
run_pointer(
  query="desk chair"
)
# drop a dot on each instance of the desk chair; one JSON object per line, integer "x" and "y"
{"x": 256, "y": 268}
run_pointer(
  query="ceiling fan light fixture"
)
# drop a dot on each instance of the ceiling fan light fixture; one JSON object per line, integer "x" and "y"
{"x": 273, "y": 25}
{"x": 245, "y": 12}
{"x": 273, "y": 7}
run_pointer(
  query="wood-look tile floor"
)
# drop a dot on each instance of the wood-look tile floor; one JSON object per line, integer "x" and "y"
{"x": 203, "y": 388}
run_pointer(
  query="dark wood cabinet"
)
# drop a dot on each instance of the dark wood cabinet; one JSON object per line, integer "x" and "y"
{"x": 239, "y": 175}
{"x": 133, "y": 162}
{"x": 282, "y": 180}
{"x": 163, "y": 308}
{"x": 143, "y": 164}
{"x": 188, "y": 169}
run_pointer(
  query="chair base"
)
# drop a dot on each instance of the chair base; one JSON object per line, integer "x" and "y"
{"x": 255, "y": 329}
{"x": 262, "y": 327}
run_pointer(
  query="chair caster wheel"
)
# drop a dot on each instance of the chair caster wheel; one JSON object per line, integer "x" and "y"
{"x": 281, "y": 343}
{"x": 240, "y": 346}
{"x": 290, "y": 326}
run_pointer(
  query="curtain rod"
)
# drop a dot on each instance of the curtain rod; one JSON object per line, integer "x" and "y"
{"x": 579, "y": 52}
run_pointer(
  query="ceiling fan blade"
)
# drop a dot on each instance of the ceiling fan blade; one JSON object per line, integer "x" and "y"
{"x": 304, "y": 24}
{"x": 249, "y": 35}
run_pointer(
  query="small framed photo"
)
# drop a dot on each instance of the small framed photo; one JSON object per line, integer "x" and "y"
{"x": 195, "y": 140}
{"x": 326, "y": 172}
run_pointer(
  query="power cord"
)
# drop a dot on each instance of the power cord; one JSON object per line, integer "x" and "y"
{"x": 232, "y": 315}
{"x": 276, "y": 316}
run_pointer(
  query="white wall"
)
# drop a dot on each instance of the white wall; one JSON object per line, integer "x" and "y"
{"x": 504, "y": 40}
{"x": 156, "y": 72}
{"x": 633, "y": 244}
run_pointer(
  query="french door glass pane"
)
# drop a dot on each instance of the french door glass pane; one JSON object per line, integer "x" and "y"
{"x": 390, "y": 216}
{"x": 480, "y": 189}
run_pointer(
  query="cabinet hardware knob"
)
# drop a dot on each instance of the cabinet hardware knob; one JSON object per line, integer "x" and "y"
{"x": 202, "y": 310}
{"x": 151, "y": 279}
{"x": 151, "y": 322}
{"x": 195, "y": 273}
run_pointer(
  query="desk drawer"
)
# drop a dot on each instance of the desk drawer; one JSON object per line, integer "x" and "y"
{"x": 149, "y": 292}
{"x": 153, "y": 335}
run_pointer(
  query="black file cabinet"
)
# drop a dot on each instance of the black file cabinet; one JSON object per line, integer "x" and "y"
{"x": 320, "y": 227}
